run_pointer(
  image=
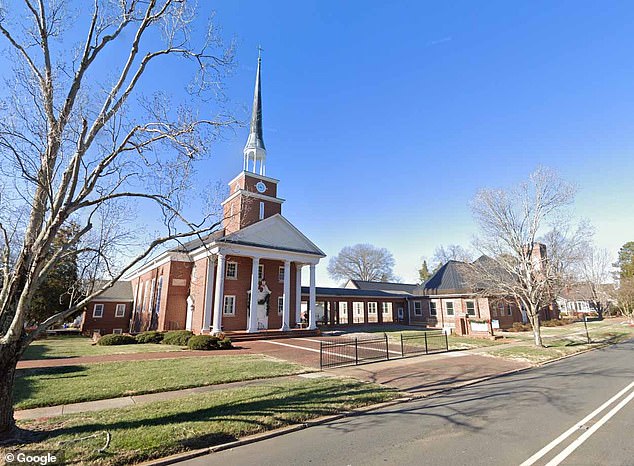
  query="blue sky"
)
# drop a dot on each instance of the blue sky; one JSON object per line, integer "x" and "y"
{"x": 382, "y": 119}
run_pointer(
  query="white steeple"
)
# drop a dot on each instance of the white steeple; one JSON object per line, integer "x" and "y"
{"x": 254, "y": 150}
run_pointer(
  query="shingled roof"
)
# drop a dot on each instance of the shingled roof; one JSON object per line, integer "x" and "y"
{"x": 388, "y": 287}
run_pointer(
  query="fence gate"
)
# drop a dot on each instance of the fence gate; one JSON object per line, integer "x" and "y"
{"x": 347, "y": 351}
{"x": 344, "y": 351}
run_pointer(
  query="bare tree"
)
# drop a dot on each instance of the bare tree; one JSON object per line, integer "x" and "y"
{"x": 452, "y": 252}
{"x": 529, "y": 243}
{"x": 77, "y": 144}
{"x": 362, "y": 262}
{"x": 625, "y": 297}
{"x": 595, "y": 275}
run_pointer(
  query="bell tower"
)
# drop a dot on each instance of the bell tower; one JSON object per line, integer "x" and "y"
{"x": 252, "y": 194}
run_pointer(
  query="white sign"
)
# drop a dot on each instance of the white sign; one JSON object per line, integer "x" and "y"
{"x": 495, "y": 324}
{"x": 479, "y": 326}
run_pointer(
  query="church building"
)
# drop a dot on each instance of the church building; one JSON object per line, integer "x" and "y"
{"x": 246, "y": 276}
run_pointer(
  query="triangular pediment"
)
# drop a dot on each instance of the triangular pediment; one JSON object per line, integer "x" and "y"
{"x": 274, "y": 232}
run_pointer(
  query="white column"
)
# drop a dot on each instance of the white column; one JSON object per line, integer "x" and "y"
{"x": 286, "y": 312}
{"x": 253, "y": 306}
{"x": 219, "y": 295}
{"x": 298, "y": 294}
{"x": 209, "y": 294}
{"x": 312, "y": 301}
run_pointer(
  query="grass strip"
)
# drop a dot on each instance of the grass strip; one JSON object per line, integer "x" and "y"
{"x": 163, "y": 428}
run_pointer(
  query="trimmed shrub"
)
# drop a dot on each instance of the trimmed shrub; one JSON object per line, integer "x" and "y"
{"x": 149, "y": 337}
{"x": 177, "y": 337}
{"x": 225, "y": 343}
{"x": 553, "y": 323}
{"x": 203, "y": 342}
{"x": 116, "y": 339}
{"x": 520, "y": 327}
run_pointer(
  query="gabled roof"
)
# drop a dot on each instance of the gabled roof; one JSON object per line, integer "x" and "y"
{"x": 351, "y": 292}
{"x": 389, "y": 287}
{"x": 119, "y": 291}
{"x": 274, "y": 232}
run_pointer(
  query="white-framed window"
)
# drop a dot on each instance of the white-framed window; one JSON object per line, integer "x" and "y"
{"x": 159, "y": 290}
{"x": 400, "y": 313}
{"x": 433, "y": 311}
{"x": 343, "y": 312}
{"x": 280, "y": 273}
{"x": 229, "y": 308}
{"x": 97, "y": 311}
{"x": 449, "y": 306}
{"x": 386, "y": 312}
{"x": 418, "y": 308}
{"x": 261, "y": 210}
{"x": 471, "y": 308}
{"x": 357, "y": 313}
{"x": 232, "y": 270}
{"x": 373, "y": 312}
{"x": 500, "y": 308}
{"x": 117, "y": 331}
{"x": 120, "y": 310}
{"x": 261, "y": 272}
{"x": 509, "y": 309}
{"x": 280, "y": 305}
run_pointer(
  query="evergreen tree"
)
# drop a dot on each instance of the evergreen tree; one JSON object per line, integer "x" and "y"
{"x": 53, "y": 293}
{"x": 423, "y": 273}
{"x": 625, "y": 262}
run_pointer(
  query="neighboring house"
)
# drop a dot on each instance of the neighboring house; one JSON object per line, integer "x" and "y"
{"x": 576, "y": 300}
{"x": 110, "y": 311}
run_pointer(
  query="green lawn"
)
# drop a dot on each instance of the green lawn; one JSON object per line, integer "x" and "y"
{"x": 159, "y": 429}
{"x": 455, "y": 342}
{"x": 71, "y": 384}
{"x": 70, "y": 346}
{"x": 565, "y": 340}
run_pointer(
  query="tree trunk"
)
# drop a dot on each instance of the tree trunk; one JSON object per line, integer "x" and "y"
{"x": 8, "y": 360}
{"x": 537, "y": 331}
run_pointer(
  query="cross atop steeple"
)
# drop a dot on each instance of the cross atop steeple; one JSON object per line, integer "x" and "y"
{"x": 254, "y": 150}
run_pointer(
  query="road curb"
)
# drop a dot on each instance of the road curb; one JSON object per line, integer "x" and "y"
{"x": 357, "y": 411}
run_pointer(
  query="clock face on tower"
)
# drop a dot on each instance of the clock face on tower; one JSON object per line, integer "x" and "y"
{"x": 261, "y": 187}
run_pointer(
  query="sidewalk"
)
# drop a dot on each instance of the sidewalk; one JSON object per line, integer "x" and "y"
{"x": 123, "y": 402}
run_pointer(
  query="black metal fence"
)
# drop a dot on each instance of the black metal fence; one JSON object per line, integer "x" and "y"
{"x": 344, "y": 351}
{"x": 424, "y": 343}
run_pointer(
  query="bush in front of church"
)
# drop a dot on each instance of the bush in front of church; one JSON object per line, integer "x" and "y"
{"x": 116, "y": 339}
{"x": 177, "y": 337}
{"x": 208, "y": 342}
{"x": 151, "y": 336}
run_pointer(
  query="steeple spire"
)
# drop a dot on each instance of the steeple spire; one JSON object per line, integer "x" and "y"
{"x": 254, "y": 150}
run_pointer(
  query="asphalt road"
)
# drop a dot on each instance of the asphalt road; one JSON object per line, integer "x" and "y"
{"x": 504, "y": 421}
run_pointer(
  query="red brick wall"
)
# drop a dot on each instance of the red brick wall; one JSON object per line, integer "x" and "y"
{"x": 243, "y": 211}
{"x": 108, "y": 322}
{"x": 174, "y": 315}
